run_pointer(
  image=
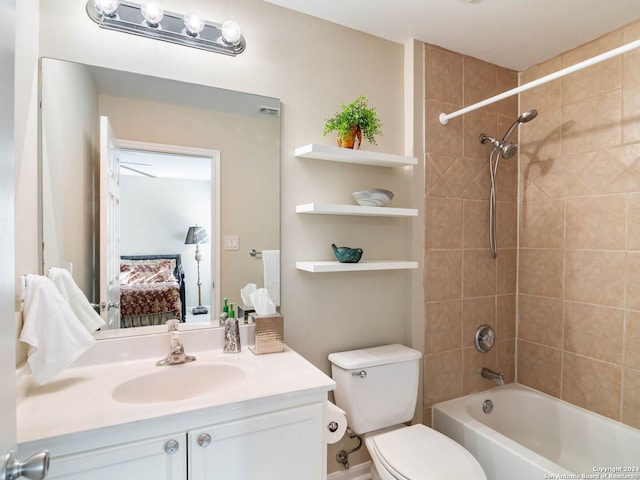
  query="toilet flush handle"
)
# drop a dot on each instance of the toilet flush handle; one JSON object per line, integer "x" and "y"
{"x": 361, "y": 374}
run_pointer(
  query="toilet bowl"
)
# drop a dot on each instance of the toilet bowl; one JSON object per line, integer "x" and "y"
{"x": 377, "y": 388}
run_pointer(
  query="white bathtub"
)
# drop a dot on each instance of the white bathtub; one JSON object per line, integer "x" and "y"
{"x": 532, "y": 436}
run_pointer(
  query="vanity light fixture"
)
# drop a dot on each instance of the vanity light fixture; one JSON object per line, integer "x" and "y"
{"x": 150, "y": 20}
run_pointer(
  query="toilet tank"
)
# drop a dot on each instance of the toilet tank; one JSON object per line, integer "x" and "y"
{"x": 377, "y": 387}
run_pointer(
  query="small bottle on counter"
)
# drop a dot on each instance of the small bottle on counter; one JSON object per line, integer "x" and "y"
{"x": 225, "y": 313}
{"x": 231, "y": 333}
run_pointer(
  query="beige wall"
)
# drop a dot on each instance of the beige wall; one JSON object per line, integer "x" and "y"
{"x": 579, "y": 276}
{"x": 464, "y": 286}
{"x": 308, "y": 57}
{"x": 69, "y": 143}
{"x": 26, "y": 150}
{"x": 311, "y": 65}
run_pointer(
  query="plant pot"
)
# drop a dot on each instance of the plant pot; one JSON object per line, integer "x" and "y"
{"x": 352, "y": 140}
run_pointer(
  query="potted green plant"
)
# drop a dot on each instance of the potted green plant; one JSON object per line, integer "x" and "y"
{"x": 355, "y": 120}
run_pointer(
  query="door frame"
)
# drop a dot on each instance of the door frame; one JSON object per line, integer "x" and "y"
{"x": 214, "y": 157}
{"x": 109, "y": 214}
{"x": 8, "y": 316}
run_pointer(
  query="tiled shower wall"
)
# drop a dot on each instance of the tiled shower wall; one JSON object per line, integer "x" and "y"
{"x": 464, "y": 286}
{"x": 579, "y": 273}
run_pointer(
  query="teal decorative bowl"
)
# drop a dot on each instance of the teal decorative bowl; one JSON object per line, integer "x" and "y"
{"x": 346, "y": 254}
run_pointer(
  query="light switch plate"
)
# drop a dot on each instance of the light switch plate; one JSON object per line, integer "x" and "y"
{"x": 231, "y": 242}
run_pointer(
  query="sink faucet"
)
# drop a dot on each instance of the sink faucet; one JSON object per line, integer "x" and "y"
{"x": 176, "y": 355}
{"x": 491, "y": 375}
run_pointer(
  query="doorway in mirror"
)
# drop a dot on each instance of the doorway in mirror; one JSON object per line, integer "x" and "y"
{"x": 164, "y": 191}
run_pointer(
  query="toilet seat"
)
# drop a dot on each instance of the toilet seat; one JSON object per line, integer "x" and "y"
{"x": 421, "y": 453}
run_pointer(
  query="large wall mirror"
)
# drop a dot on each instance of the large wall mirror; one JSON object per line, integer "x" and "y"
{"x": 189, "y": 156}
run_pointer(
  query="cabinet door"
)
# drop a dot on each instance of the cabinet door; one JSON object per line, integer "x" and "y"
{"x": 286, "y": 444}
{"x": 146, "y": 459}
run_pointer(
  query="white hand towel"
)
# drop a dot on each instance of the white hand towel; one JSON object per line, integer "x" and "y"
{"x": 76, "y": 299}
{"x": 55, "y": 334}
{"x": 271, "y": 266}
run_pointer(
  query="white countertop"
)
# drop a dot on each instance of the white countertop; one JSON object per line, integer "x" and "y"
{"x": 80, "y": 399}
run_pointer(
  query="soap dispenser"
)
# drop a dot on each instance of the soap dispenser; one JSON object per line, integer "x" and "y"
{"x": 231, "y": 333}
{"x": 224, "y": 314}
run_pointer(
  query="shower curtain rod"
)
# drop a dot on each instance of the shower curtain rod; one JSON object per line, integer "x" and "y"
{"x": 445, "y": 117}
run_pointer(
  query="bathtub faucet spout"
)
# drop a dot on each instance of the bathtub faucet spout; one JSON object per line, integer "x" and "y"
{"x": 491, "y": 375}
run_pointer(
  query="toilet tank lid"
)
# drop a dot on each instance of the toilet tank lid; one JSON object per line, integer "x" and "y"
{"x": 369, "y": 357}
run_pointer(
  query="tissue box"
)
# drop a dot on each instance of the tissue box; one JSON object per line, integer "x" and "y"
{"x": 269, "y": 334}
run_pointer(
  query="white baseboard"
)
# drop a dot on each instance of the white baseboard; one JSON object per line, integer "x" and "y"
{"x": 358, "y": 472}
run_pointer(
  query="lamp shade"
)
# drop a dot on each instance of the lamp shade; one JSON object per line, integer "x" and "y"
{"x": 196, "y": 235}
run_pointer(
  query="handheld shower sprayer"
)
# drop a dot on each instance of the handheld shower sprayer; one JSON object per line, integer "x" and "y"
{"x": 508, "y": 150}
{"x": 524, "y": 118}
{"x": 501, "y": 148}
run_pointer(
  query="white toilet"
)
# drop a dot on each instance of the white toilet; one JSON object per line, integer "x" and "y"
{"x": 377, "y": 388}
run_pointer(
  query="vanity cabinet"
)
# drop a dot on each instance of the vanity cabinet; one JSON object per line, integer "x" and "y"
{"x": 285, "y": 443}
{"x": 358, "y": 157}
{"x": 273, "y": 446}
{"x": 161, "y": 458}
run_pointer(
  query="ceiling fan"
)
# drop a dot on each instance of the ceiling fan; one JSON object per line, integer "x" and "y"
{"x": 122, "y": 165}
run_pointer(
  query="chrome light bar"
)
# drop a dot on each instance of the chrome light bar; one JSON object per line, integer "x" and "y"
{"x": 128, "y": 18}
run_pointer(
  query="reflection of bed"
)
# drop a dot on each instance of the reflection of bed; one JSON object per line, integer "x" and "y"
{"x": 151, "y": 290}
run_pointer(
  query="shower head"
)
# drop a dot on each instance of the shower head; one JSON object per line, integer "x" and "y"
{"x": 507, "y": 150}
{"x": 524, "y": 118}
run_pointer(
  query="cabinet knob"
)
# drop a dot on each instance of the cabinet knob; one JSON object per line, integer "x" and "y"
{"x": 204, "y": 439}
{"x": 35, "y": 467}
{"x": 171, "y": 447}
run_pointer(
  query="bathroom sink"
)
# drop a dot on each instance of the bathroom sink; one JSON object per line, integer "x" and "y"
{"x": 179, "y": 382}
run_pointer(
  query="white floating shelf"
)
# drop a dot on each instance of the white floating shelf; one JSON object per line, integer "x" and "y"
{"x": 347, "y": 155}
{"x": 336, "y": 209}
{"x": 335, "y": 266}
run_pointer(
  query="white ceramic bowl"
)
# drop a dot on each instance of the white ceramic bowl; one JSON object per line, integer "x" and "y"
{"x": 374, "y": 197}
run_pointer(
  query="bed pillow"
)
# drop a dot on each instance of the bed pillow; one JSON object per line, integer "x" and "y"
{"x": 134, "y": 273}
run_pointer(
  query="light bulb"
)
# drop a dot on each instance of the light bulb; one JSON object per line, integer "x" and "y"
{"x": 106, "y": 7}
{"x": 193, "y": 23}
{"x": 231, "y": 32}
{"x": 152, "y": 12}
